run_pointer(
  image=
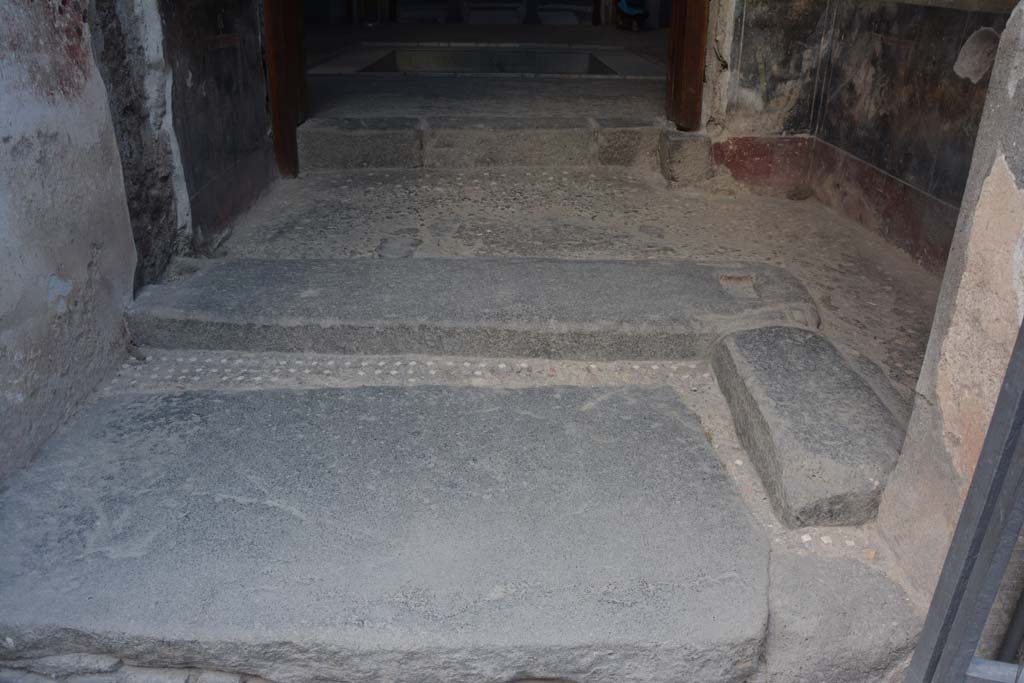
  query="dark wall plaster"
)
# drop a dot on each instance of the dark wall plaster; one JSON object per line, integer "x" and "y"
{"x": 892, "y": 94}
{"x": 892, "y": 97}
{"x": 777, "y": 53}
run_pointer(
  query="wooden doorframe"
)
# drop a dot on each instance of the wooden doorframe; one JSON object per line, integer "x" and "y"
{"x": 688, "y": 40}
{"x": 283, "y": 22}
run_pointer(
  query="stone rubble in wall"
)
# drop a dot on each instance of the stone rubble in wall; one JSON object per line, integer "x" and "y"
{"x": 93, "y": 668}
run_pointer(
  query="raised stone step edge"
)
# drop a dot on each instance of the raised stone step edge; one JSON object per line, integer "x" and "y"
{"x": 423, "y": 548}
{"x": 96, "y": 668}
{"x": 327, "y": 144}
{"x": 521, "y": 307}
{"x": 822, "y": 440}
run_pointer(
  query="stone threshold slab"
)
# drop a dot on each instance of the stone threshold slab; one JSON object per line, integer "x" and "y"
{"x": 387, "y": 533}
{"x": 475, "y": 306}
{"x": 446, "y": 141}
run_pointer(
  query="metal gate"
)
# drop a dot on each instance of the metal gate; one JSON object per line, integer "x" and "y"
{"x": 985, "y": 536}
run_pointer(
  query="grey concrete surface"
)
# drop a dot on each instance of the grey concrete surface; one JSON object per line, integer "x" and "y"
{"x": 822, "y": 440}
{"x": 66, "y": 251}
{"x": 484, "y": 306}
{"x": 579, "y": 533}
{"x": 836, "y": 620}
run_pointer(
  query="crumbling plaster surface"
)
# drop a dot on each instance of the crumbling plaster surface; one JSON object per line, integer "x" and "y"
{"x": 66, "y": 252}
{"x": 129, "y": 47}
{"x": 976, "y": 323}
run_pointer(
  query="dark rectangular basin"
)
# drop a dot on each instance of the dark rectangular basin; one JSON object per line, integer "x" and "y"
{"x": 487, "y": 60}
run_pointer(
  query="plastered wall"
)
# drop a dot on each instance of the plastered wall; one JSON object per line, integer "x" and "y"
{"x": 66, "y": 252}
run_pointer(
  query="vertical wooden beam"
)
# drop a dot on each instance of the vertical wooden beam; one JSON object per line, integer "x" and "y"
{"x": 282, "y": 25}
{"x": 688, "y": 41}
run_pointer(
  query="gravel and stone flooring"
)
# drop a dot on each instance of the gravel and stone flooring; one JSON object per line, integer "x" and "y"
{"x": 874, "y": 300}
{"x": 414, "y": 517}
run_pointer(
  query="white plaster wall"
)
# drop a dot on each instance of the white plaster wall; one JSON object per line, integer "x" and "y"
{"x": 66, "y": 251}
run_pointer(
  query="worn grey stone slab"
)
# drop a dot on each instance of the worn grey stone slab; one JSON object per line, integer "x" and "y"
{"x": 62, "y": 666}
{"x": 478, "y": 306}
{"x": 836, "y": 620}
{"x": 378, "y": 533}
{"x": 217, "y": 677}
{"x": 822, "y": 440}
{"x": 326, "y": 144}
{"x": 141, "y": 674}
{"x": 628, "y": 146}
{"x": 460, "y": 142}
{"x": 20, "y": 675}
{"x": 470, "y": 141}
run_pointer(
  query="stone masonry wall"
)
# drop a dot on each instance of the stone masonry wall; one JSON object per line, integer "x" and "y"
{"x": 66, "y": 253}
{"x": 129, "y": 47}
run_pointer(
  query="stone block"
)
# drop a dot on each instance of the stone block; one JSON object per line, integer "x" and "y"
{"x": 686, "y": 158}
{"x": 482, "y": 306}
{"x": 822, "y": 440}
{"x": 463, "y": 534}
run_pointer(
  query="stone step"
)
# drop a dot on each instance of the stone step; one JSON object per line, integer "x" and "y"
{"x": 333, "y": 143}
{"x": 387, "y": 533}
{"x": 477, "y": 306}
{"x": 822, "y": 440}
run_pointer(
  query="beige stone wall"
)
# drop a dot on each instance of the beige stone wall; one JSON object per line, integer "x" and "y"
{"x": 978, "y": 317}
{"x": 66, "y": 251}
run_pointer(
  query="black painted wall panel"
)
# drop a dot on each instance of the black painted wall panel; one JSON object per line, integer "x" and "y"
{"x": 777, "y": 54}
{"x": 874, "y": 78}
{"x": 892, "y": 98}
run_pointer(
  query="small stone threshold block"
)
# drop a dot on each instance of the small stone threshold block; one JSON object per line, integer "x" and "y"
{"x": 820, "y": 437}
